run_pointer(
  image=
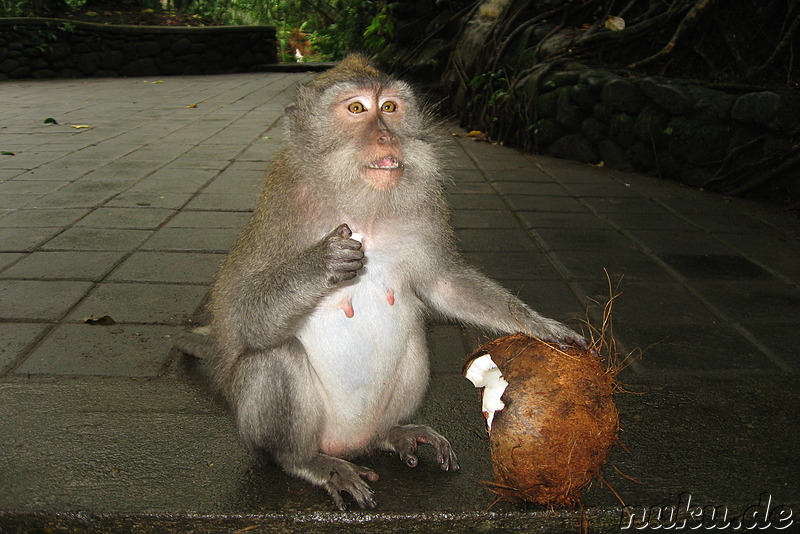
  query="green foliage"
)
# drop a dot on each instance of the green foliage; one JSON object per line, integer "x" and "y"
{"x": 330, "y": 27}
{"x": 13, "y": 8}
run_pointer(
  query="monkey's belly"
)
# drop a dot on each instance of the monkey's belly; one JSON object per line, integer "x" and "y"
{"x": 370, "y": 359}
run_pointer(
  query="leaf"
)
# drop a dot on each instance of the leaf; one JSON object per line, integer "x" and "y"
{"x": 6, "y": 153}
{"x": 105, "y": 320}
{"x": 50, "y": 120}
{"x": 158, "y": 81}
{"x": 614, "y": 24}
{"x": 192, "y": 106}
{"x": 80, "y": 126}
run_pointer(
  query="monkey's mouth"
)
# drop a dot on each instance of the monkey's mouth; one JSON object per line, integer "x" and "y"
{"x": 388, "y": 163}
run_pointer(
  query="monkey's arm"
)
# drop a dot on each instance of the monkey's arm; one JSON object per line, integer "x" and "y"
{"x": 462, "y": 293}
{"x": 257, "y": 303}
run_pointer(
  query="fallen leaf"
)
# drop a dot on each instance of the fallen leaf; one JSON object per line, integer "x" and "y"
{"x": 50, "y": 120}
{"x": 192, "y": 106}
{"x": 6, "y": 153}
{"x": 105, "y": 320}
{"x": 614, "y": 24}
{"x": 158, "y": 81}
{"x": 80, "y": 126}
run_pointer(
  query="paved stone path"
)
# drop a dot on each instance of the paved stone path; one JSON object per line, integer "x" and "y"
{"x": 126, "y": 206}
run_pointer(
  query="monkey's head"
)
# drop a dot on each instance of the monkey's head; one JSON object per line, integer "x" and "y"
{"x": 364, "y": 128}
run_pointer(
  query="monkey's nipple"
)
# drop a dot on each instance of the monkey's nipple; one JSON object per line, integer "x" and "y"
{"x": 347, "y": 306}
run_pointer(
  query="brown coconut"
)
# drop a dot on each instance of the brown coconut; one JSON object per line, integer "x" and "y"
{"x": 559, "y": 422}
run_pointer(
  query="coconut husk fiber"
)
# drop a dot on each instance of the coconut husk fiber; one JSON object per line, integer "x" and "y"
{"x": 559, "y": 422}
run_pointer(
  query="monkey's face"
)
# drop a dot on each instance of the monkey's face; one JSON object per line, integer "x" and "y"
{"x": 371, "y": 116}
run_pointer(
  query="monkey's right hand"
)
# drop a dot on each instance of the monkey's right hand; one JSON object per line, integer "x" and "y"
{"x": 342, "y": 255}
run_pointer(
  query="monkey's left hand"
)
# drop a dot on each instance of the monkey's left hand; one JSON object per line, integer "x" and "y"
{"x": 554, "y": 332}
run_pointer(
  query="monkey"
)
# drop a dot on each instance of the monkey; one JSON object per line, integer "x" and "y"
{"x": 318, "y": 313}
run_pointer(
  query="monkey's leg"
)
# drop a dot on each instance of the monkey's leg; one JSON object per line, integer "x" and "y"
{"x": 404, "y": 440}
{"x": 279, "y": 409}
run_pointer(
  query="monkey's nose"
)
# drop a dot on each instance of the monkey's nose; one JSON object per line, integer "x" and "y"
{"x": 385, "y": 137}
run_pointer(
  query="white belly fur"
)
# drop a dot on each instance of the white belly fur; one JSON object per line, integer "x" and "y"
{"x": 358, "y": 360}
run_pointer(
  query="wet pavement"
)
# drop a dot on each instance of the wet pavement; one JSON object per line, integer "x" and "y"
{"x": 126, "y": 206}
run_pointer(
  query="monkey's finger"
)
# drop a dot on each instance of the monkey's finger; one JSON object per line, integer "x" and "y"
{"x": 343, "y": 230}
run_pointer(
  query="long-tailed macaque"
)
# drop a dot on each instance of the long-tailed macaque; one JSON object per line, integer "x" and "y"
{"x": 317, "y": 315}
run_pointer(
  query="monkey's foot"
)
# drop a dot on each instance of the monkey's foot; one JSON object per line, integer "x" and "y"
{"x": 404, "y": 441}
{"x": 337, "y": 476}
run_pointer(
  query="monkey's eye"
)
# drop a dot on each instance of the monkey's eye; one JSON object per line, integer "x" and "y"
{"x": 389, "y": 107}
{"x": 356, "y": 107}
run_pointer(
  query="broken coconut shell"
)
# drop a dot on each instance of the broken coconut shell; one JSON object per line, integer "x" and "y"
{"x": 558, "y": 424}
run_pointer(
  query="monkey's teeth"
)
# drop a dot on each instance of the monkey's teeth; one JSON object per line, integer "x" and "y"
{"x": 385, "y": 163}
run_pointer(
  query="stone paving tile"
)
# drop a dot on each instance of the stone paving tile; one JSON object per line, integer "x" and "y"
{"x": 54, "y": 172}
{"x": 588, "y": 239}
{"x": 781, "y": 337}
{"x": 659, "y": 220}
{"x": 24, "y": 239}
{"x": 15, "y": 200}
{"x": 68, "y": 265}
{"x": 448, "y": 340}
{"x": 545, "y": 203}
{"x": 470, "y": 188}
{"x": 150, "y": 199}
{"x": 114, "y": 350}
{"x": 671, "y": 242}
{"x": 28, "y": 187}
{"x": 624, "y": 205}
{"x": 465, "y": 175}
{"x": 601, "y": 190}
{"x": 692, "y": 347}
{"x": 237, "y": 200}
{"x": 98, "y": 239}
{"x": 514, "y": 265}
{"x": 178, "y": 267}
{"x": 555, "y": 219}
{"x": 171, "y": 180}
{"x": 141, "y": 218}
{"x": 650, "y": 301}
{"x": 475, "y": 201}
{"x": 207, "y": 219}
{"x": 715, "y": 267}
{"x": 505, "y": 240}
{"x": 34, "y": 218}
{"x": 213, "y": 240}
{"x": 43, "y": 300}
{"x": 16, "y": 337}
{"x": 618, "y": 263}
{"x": 479, "y": 219}
{"x": 754, "y": 301}
{"x": 141, "y": 303}
{"x": 7, "y": 258}
{"x": 531, "y": 188}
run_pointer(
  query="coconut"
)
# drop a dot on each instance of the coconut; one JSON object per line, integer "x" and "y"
{"x": 550, "y": 415}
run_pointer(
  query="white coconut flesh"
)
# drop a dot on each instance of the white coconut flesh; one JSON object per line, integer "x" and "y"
{"x": 483, "y": 373}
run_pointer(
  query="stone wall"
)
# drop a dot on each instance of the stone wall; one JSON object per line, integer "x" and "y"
{"x": 50, "y": 48}
{"x": 675, "y": 129}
